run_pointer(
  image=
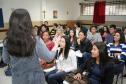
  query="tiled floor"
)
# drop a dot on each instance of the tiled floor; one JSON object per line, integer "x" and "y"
{"x": 4, "y": 79}
{"x": 7, "y": 80}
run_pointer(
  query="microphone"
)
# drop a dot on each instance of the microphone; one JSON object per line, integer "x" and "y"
{"x": 57, "y": 52}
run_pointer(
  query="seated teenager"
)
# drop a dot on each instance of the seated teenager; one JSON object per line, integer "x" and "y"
{"x": 72, "y": 38}
{"x": 110, "y": 36}
{"x": 99, "y": 66}
{"x": 66, "y": 30}
{"x": 105, "y": 34}
{"x": 53, "y": 30}
{"x": 66, "y": 62}
{"x": 117, "y": 50}
{"x": 57, "y": 36}
{"x": 77, "y": 27}
{"x": 49, "y": 45}
{"x": 83, "y": 46}
{"x": 41, "y": 29}
{"x": 93, "y": 36}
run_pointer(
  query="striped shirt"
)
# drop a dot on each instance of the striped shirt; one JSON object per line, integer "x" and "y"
{"x": 117, "y": 51}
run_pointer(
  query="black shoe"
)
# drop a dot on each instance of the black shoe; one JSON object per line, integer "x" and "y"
{"x": 124, "y": 75}
{"x": 2, "y": 64}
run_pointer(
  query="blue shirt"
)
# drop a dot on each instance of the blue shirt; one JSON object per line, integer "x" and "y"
{"x": 97, "y": 74}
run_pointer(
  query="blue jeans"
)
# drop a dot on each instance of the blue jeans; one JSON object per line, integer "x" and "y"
{"x": 81, "y": 60}
{"x": 55, "y": 77}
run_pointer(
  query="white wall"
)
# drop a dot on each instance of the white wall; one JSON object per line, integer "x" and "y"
{"x": 33, "y": 6}
{"x": 62, "y": 6}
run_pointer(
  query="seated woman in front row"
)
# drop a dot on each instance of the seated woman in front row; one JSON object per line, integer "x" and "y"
{"x": 99, "y": 66}
{"x": 66, "y": 62}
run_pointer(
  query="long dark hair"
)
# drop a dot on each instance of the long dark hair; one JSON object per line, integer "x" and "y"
{"x": 107, "y": 29}
{"x": 67, "y": 47}
{"x": 74, "y": 36}
{"x": 73, "y": 32}
{"x": 20, "y": 41}
{"x": 103, "y": 54}
{"x": 122, "y": 37}
{"x": 39, "y": 32}
{"x": 48, "y": 34}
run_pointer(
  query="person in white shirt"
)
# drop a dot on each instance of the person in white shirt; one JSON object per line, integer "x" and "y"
{"x": 66, "y": 62}
{"x": 58, "y": 36}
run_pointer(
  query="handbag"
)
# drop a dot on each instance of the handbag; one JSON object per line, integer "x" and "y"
{"x": 70, "y": 79}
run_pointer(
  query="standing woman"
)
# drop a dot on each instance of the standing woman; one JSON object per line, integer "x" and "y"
{"x": 21, "y": 50}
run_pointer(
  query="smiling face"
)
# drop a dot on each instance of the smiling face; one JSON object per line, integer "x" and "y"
{"x": 45, "y": 36}
{"x": 71, "y": 33}
{"x": 117, "y": 37}
{"x": 95, "y": 52}
{"x": 81, "y": 36}
{"x": 59, "y": 32}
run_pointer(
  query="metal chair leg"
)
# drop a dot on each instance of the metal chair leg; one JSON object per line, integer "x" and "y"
{"x": 117, "y": 79}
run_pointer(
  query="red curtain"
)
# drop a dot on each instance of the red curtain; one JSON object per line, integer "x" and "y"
{"x": 99, "y": 12}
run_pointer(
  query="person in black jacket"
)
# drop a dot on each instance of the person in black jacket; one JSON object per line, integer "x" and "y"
{"x": 99, "y": 67}
{"x": 83, "y": 45}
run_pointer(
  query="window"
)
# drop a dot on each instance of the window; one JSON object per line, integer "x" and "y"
{"x": 111, "y": 9}
{"x": 118, "y": 9}
{"x": 88, "y": 10}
